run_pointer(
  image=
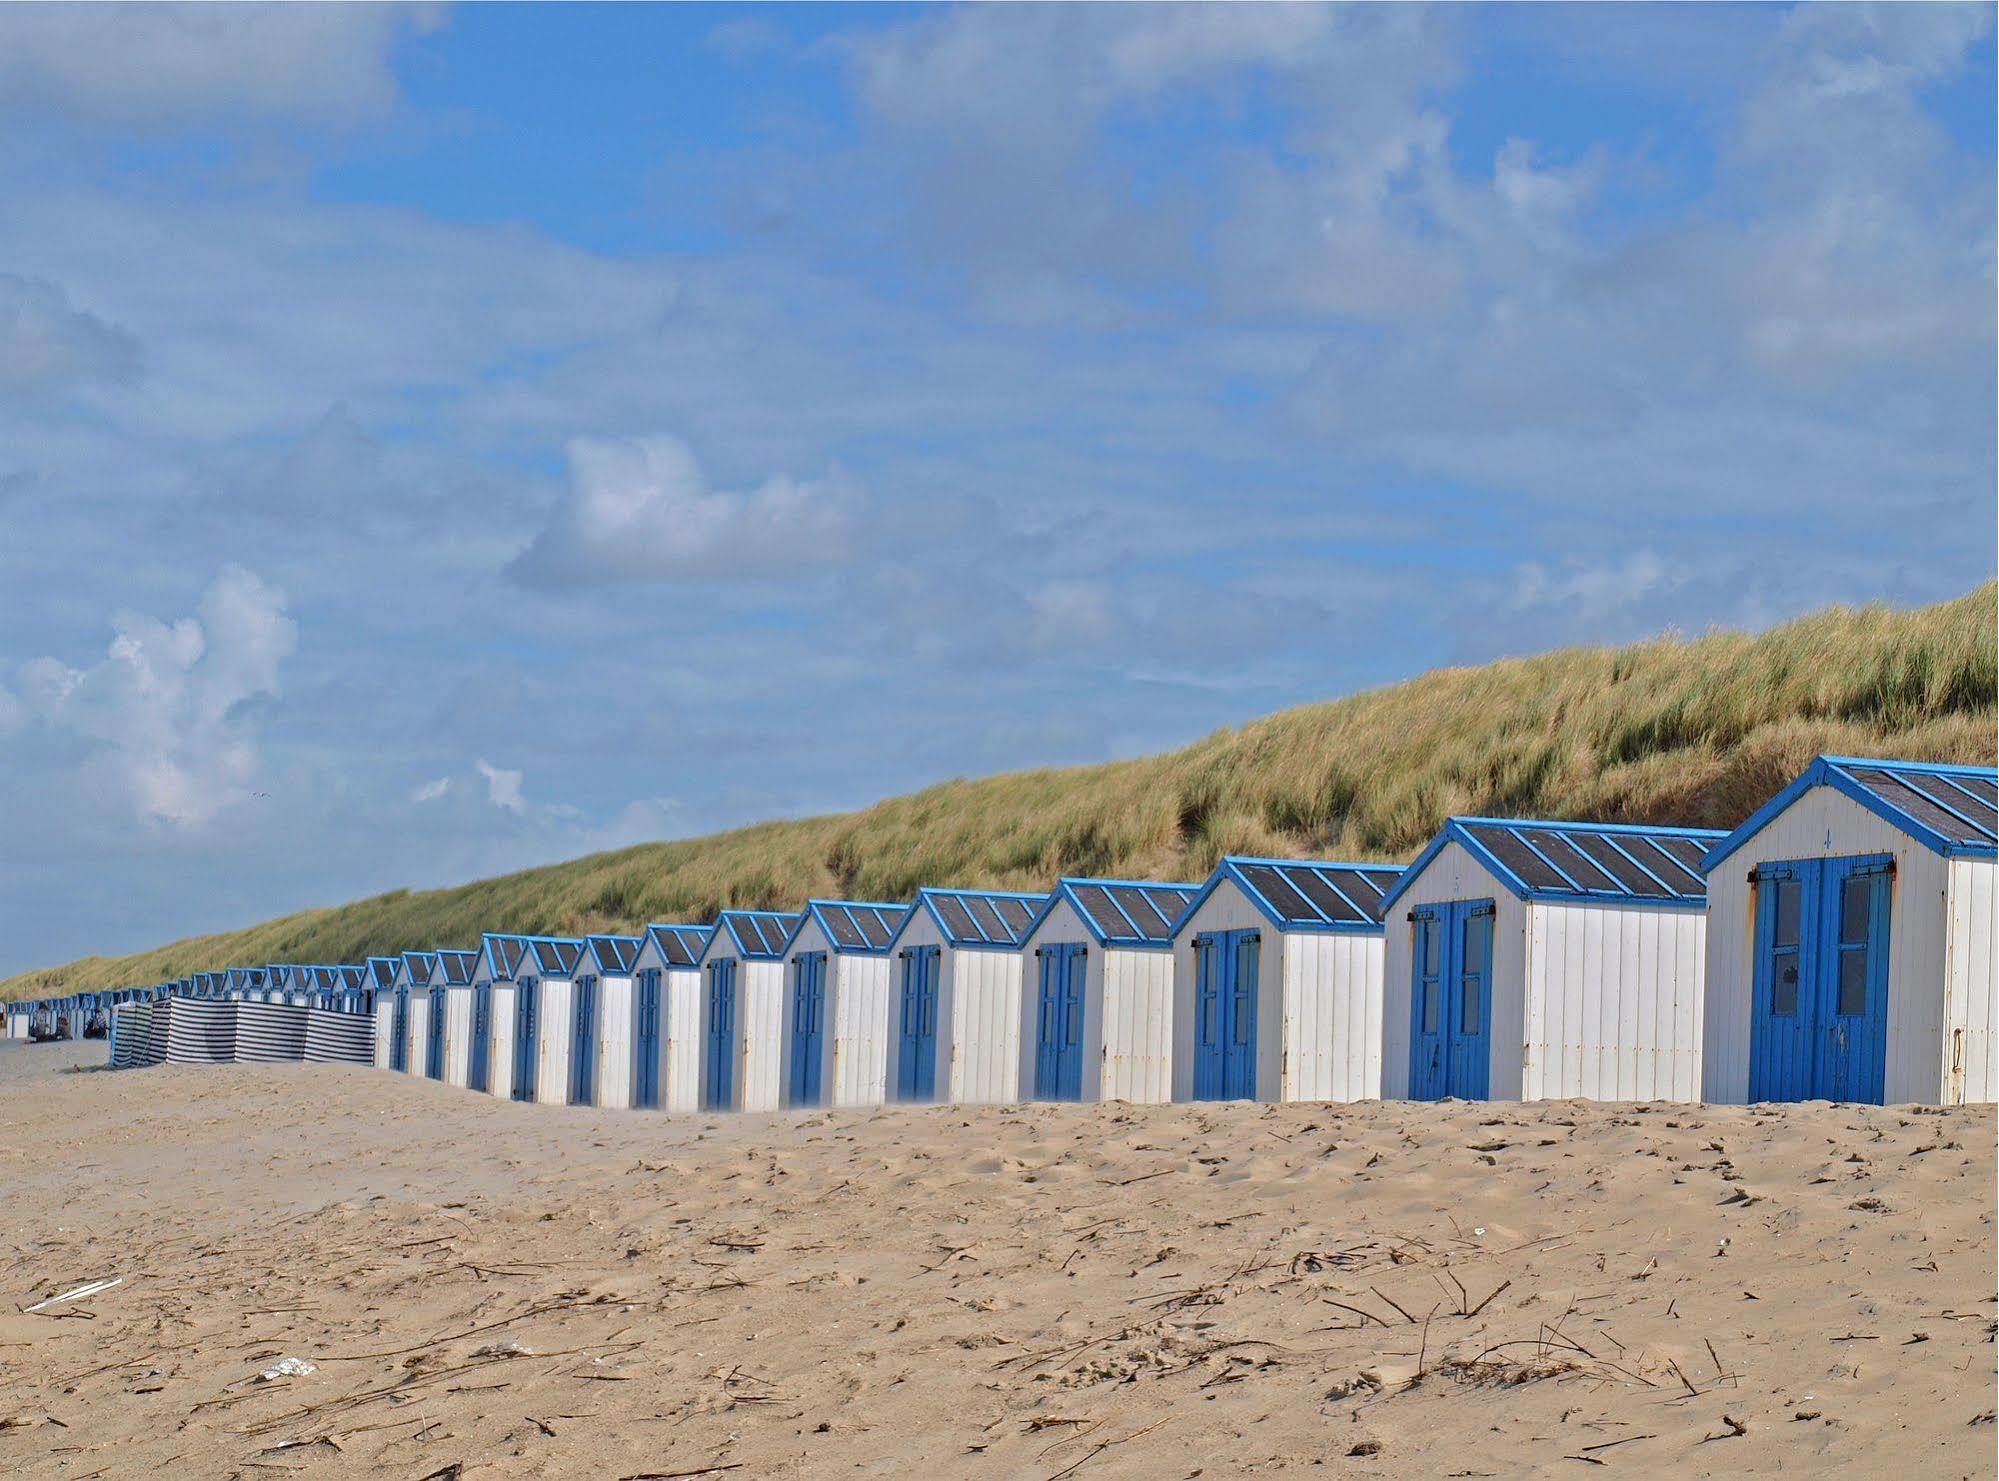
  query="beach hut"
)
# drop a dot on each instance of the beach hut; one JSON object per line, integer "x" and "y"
{"x": 448, "y": 1051}
{"x": 601, "y": 1044}
{"x": 836, "y": 1008}
{"x": 495, "y": 1068}
{"x": 544, "y": 1014}
{"x": 1542, "y": 961}
{"x": 354, "y": 995}
{"x": 1098, "y": 994}
{"x": 742, "y": 1010}
{"x": 958, "y": 1008}
{"x": 411, "y": 993}
{"x": 1277, "y": 982}
{"x": 1850, "y": 950}
{"x": 666, "y": 1018}
{"x": 389, "y": 1019}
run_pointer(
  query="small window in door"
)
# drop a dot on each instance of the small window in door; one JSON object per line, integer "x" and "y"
{"x": 1856, "y": 899}
{"x": 1428, "y": 932}
{"x": 1784, "y": 947}
{"x": 1478, "y": 941}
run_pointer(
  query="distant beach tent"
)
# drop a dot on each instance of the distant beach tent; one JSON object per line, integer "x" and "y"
{"x": 389, "y": 1017}
{"x": 502, "y": 1019}
{"x": 600, "y": 1048}
{"x": 742, "y": 1010}
{"x": 546, "y": 990}
{"x": 1277, "y": 982}
{"x": 448, "y": 1054}
{"x": 1098, "y": 998}
{"x": 1547, "y": 960}
{"x": 1850, "y": 952}
{"x": 839, "y": 983}
{"x": 959, "y": 1003}
{"x": 666, "y": 1018}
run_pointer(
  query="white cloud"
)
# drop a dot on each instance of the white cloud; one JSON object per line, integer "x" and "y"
{"x": 640, "y": 509}
{"x": 159, "y": 64}
{"x": 503, "y": 787}
{"x": 45, "y": 343}
{"x": 169, "y": 712}
{"x": 432, "y": 790}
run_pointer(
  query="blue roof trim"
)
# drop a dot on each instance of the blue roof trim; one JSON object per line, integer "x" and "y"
{"x": 1064, "y": 894}
{"x": 1229, "y": 869}
{"x": 1458, "y": 830}
{"x": 728, "y": 920}
{"x": 815, "y": 911}
{"x": 1830, "y": 771}
{"x": 926, "y": 903}
{"x": 692, "y": 939}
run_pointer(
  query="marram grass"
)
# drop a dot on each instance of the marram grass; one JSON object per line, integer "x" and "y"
{"x": 1695, "y": 732}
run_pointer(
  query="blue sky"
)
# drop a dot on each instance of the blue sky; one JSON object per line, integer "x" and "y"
{"x": 434, "y": 441}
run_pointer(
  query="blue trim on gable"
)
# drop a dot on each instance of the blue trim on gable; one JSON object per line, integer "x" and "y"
{"x": 1828, "y": 771}
{"x": 1229, "y": 869}
{"x": 1064, "y": 893}
{"x": 1458, "y": 830}
{"x": 814, "y": 912}
{"x": 926, "y": 901}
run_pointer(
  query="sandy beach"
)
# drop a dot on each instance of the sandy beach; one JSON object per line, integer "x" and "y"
{"x": 1466, "y": 1290}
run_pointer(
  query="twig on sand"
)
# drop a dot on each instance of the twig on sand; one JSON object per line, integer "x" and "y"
{"x": 1102, "y": 1445}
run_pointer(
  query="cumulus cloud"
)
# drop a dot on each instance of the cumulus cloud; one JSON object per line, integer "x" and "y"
{"x": 160, "y": 64}
{"x": 44, "y": 342}
{"x": 641, "y": 509}
{"x": 503, "y": 787}
{"x": 170, "y": 712}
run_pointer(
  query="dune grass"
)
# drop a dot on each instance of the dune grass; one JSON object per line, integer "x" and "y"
{"x": 1696, "y": 732}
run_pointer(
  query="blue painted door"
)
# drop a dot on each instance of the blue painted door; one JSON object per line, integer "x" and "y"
{"x": 645, "y": 1040}
{"x": 808, "y": 1015}
{"x": 1226, "y": 964}
{"x": 1058, "y": 1023}
{"x": 480, "y": 1060}
{"x": 1450, "y": 1008}
{"x": 527, "y": 1009}
{"x": 1819, "y": 996}
{"x": 916, "y": 1048}
{"x": 583, "y": 1042}
{"x": 399, "y": 1031}
{"x": 718, "y": 1090}
{"x": 433, "y": 1044}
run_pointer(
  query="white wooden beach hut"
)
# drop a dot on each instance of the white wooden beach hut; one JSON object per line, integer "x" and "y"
{"x": 1542, "y": 961}
{"x": 546, "y": 991}
{"x": 448, "y": 1052}
{"x": 412, "y": 992}
{"x": 1098, "y": 995}
{"x": 742, "y": 1010}
{"x": 502, "y": 1036}
{"x": 958, "y": 1008}
{"x": 1277, "y": 982}
{"x": 836, "y": 1008}
{"x": 666, "y": 1018}
{"x": 601, "y": 1044}
{"x": 1850, "y": 946}
{"x": 389, "y": 1019}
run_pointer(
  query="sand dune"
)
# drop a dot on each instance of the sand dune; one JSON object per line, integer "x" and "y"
{"x": 1391, "y": 1290}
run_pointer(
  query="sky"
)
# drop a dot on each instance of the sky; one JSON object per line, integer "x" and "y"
{"x": 435, "y": 441}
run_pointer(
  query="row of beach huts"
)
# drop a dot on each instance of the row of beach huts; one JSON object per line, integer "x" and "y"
{"x": 1838, "y": 945}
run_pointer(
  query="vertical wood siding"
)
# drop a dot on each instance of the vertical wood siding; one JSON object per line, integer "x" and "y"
{"x": 983, "y": 991}
{"x": 683, "y": 1000}
{"x": 419, "y": 1031}
{"x": 1613, "y": 1003}
{"x": 551, "y": 1065}
{"x": 860, "y": 991}
{"x": 1824, "y": 824}
{"x": 1331, "y": 1015}
{"x": 1132, "y": 991}
{"x": 457, "y": 1029}
{"x": 500, "y": 1047}
{"x": 615, "y": 998}
{"x": 761, "y": 988}
{"x": 385, "y": 1027}
{"x": 1971, "y": 1018}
